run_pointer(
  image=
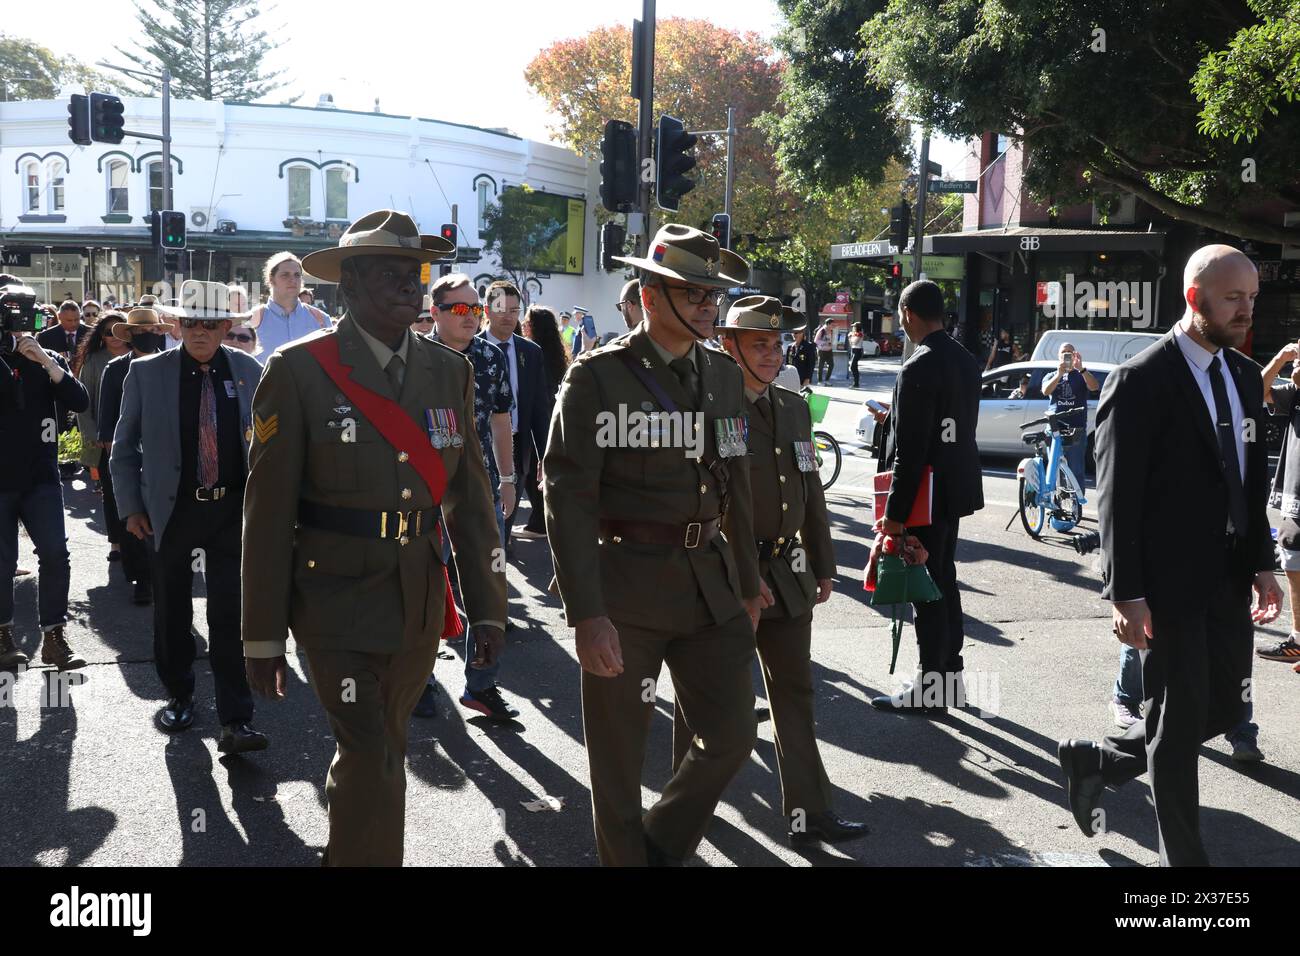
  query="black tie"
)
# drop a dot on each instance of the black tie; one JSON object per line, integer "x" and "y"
{"x": 684, "y": 369}
{"x": 1228, "y": 449}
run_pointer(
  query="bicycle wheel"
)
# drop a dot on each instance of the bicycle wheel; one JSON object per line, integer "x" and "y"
{"x": 829, "y": 457}
{"x": 1069, "y": 510}
{"x": 1032, "y": 513}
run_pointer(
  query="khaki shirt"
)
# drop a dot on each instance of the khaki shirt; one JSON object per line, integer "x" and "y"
{"x": 589, "y": 478}
{"x": 344, "y": 592}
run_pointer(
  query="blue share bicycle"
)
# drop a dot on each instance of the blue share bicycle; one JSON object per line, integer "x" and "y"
{"x": 1048, "y": 490}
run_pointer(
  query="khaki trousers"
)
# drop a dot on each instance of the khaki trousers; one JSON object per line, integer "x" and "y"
{"x": 711, "y": 679}
{"x": 785, "y": 654}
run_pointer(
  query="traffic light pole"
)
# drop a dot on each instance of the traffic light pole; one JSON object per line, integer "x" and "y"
{"x": 167, "y": 137}
{"x": 731, "y": 160}
{"x": 921, "y": 180}
{"x": 645, "y": 120}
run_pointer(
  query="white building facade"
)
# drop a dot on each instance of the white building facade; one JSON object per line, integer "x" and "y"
{"x": 256, "y": 179}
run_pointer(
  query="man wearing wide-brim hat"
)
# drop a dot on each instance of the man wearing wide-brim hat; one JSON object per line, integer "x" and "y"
{"x": 364, "y": 447}
{"x": 645, "y": 467}
{"x": 179, "y": 460}
{"x": 796, "y": 562}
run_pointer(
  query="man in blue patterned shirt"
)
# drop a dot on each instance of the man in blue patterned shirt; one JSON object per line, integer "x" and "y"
{"x": 456, "y": 316}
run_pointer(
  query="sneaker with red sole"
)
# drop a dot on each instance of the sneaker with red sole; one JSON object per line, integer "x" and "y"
{"x": 489, "y": 703}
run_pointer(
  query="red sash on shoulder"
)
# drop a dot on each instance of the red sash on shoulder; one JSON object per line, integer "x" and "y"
{"x": 404, "y": 434}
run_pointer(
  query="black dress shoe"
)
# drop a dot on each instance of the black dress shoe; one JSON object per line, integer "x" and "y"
{"x": 929, "y": 693}
{"x": 177, "y": 715}
{"x": 239, "y": 738}
{"x": 142, "y": 593}
{"x": 1081, "y": 761}
{"x": 828, "y": 828}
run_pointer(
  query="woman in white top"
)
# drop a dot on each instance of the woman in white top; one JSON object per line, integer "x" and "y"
{"x": 284, "y": 318}
{"x": 855, "y": 351}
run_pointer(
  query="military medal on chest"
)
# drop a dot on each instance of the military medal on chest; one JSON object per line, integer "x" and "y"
{"x": 732, "y": 435}
{"x": 442, "y": 428}
{"x": 805, "y": 456}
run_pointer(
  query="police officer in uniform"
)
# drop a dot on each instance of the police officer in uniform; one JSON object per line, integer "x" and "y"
{"x": 646, "y": 455}
{"x": 796, "y": 561}
{"x": 364, "y": 458}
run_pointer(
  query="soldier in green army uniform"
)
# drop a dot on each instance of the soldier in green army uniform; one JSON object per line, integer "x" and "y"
{"x": 796, "y": 562}
{"x": 364, "y": 457}
{"x": 646, "y": 453}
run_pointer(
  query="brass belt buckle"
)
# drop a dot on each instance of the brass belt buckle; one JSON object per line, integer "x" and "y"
{"x": 693, "y": 532}
{"x": 403, "y": 524}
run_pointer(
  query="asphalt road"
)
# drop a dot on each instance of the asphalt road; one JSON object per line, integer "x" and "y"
{"x": 87, "y": 778}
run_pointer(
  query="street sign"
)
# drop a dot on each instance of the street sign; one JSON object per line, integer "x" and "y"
{"x": 953, "y": 185}
{"x": 936, "y": 267}
{"x": 863, "y": 250}
{"x": 15, "y": 257}
{"x": 933, "y": 168}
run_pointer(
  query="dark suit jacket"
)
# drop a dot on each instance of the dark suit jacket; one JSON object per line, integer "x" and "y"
{"x": 932, "y": 422}
{"x": 56, "y": 340}
{"x": 28, "y": 401}
{"x": 533, "y": 397}
{"x": 109, "y": 401}
{"x": 1163, "y": 505}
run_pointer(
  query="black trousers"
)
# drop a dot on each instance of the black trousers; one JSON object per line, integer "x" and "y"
{"x": 939, "y": 623}
{"x": 526, "y": 472}
{"x": 135, "y": 553}
{"x": 213, "y": 529}
{"x": 1194, "y": 678}
{"x": 853, "y": 366}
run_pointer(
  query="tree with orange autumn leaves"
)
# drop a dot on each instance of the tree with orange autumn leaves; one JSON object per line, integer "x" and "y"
{"x": 700, "y": 70}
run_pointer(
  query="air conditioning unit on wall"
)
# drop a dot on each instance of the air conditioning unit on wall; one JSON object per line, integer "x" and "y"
{"x": 200, "y": 218}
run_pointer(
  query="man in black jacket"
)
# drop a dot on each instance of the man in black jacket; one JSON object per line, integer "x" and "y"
{"x": 1182, "y": 474}
{"x": 931, "y": 423}
{"x": 32, "y": 379}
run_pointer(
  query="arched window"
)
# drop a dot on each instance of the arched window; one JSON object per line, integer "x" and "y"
{"x": 299, "y": 179}
{"x": 336, "y": 191}
{"x": 54, "y": 177}
{"x": 32, "y": 187}
{"x": 157, "y": 199}
{"x": 116, "y": 181}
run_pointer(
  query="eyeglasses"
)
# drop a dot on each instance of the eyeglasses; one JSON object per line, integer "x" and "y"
{"x": 697, "y": 296}
{"x": 627, "y": 303}
{"x": 239, "y": 337}
{"x": 460, "y": 308}
{"x": 210, "y": 325}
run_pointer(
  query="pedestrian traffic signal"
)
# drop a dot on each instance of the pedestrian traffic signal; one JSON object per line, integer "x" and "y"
{"x": 618, "y": 178}
{"x": 167, "y": 229}
{"x": 612, "y": 237}
{"x": 721, "y": 229}
{"x": 894, "y": 279}
{"x": 451, "y": 233}
{"x": 106, "y": 118}
{"x": 79, "y": 120}
{"x": 900, "y": 218}
{"x": 673, "y": 160}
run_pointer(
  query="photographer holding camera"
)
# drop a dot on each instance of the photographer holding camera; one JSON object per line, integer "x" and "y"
{"x": 32, "y": 379}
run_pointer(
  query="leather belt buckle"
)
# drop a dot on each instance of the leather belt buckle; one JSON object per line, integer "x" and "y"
{"x": 693, "y": 532}
{"x": 402, "y": 524}
{"x": 212, "y": 494}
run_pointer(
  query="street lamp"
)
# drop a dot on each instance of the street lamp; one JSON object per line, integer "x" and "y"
{"x": 5, "y": 81}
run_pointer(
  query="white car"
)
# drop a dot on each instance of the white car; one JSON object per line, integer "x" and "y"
{"x": 1002, "y": 409}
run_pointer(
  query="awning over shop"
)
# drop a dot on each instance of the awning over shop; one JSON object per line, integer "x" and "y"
{"x": 1042, "y": 239}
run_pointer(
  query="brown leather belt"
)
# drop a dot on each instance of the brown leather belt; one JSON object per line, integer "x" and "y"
{"x": 691, "y": 535}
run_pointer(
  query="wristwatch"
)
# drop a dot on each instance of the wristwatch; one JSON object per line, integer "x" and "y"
{"x": 511, "y": 479}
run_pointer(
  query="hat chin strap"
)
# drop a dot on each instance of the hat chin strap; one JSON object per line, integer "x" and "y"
{"x": 686, "y": 325}
{"x": 740, "y": 352}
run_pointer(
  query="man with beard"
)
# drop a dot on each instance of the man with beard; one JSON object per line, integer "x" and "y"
{"x": 1183, "y": 487}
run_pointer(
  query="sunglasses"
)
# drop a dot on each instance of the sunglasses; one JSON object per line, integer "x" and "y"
{"x": 210, "y": 325}
{"x": 460, "y": 308}
{"x": 238, "y": 337}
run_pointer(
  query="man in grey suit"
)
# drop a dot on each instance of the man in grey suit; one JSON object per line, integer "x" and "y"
{"x": 179, "y": 463}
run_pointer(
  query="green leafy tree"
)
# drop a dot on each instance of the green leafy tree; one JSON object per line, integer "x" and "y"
{"x": 1157, "y": 99}
{"x": 29, "y": 71}
{"x": 213, "y": 48}
{"x": 519, "y": 233}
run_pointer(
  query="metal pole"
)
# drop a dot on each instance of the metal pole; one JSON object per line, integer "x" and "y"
{"x": 167, "y": 137}
{"x": 922, "y": 179}
{"x": 645, "y": 119}
{"x": 731, "y": 161}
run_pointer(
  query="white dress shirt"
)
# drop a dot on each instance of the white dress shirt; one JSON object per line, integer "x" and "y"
{"x": 1198, "y": 360}
{"x": 508, "y": 346}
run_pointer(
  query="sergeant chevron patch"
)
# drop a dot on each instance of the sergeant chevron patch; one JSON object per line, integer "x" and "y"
{"x": 265, "y": 428}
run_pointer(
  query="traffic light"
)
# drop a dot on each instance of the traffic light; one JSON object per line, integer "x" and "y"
{"x": 673, "y": 160}
{"x": 894, "y": 278}
{"x": 721, "y": 229}
{"x": 106, "y": 118}
{"x": 451, "y": 233}
{"x": 618, "y": 179}
{"x": 167, "y": 229}
{"x": 79, "y": 120}
{"x": 612, "y": 237}
{"x": 900, "y": 218}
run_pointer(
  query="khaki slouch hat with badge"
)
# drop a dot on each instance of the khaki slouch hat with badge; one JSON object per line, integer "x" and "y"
{"x": 691, "y": 256}
{"x": 761, "y": 313}
{"x": 384, "y": 232}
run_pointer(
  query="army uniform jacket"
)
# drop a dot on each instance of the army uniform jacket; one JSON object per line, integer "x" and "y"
{"x": 672, "y": 589}
{"x": 788, "y": 502}
{"x": 345, "y": 592}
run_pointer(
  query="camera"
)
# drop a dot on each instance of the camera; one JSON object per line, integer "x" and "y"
{"x": 18, "y": 312}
